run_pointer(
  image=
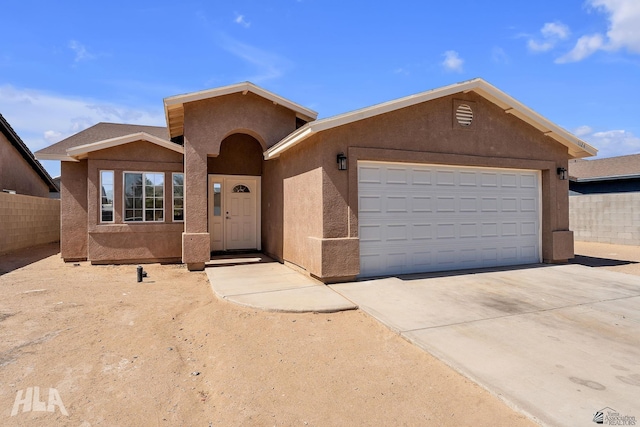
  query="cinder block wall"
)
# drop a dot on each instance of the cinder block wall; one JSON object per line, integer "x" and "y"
{"x": 27, "y": 221}
{"x": 606, "y": 218}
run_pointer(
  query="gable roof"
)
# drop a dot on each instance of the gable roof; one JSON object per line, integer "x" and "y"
{"x": 577, "y": 147}
{"x": 24, "y": 151}
{"x": 621, "y": 167}
{"x": 174, "y": 105}
{"x": 97, "y": 133}
{"x": 82, "y": 150}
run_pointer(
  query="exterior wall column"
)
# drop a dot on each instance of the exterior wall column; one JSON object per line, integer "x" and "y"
{"x": 195, "y": 239}
{"x": 73, "y": 211}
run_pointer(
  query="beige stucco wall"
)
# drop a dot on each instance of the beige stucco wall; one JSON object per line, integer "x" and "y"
{"x": 132, "y": 241}
{"x": 302, "y": 196}
{"x": 424, "y": 133}
{"x": 27, "y": 221}
{"x": 206, "y": 124}
{"x": 84, "y": 237}
{"x": 240, "y": 154}
{"x": 16, "y": 174}
{"x": 73, "y": 211}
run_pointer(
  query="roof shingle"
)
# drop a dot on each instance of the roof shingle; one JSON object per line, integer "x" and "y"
{"x": 100, "y": 132}
{"x": 609, "y": 167}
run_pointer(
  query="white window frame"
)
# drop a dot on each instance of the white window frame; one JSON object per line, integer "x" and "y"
{"x": 113, "y": 189}
{"x": 144, "y": 209}
{"x": 173, "y": 203}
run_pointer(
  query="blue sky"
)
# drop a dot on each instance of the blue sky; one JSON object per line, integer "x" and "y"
{"x": 67, "y": 65}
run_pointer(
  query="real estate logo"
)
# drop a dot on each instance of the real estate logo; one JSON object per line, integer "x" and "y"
{"x": 29, "y": 399}
{"x": 609, "y": 416}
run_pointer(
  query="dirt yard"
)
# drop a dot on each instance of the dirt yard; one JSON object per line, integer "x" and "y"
{"x": 109, "y": 351}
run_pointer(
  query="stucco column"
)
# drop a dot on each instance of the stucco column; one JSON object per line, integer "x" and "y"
{"x": 195, "y": 239}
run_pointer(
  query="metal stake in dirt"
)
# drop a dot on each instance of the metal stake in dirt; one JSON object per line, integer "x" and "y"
{"x": 141, "y": 273}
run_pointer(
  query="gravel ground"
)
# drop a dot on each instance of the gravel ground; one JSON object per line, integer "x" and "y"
{"x": 167, "y": 352}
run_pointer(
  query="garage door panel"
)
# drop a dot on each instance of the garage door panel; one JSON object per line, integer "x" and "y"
{"x": 529, "y": 181}
{"x": 421, "y": 231}
{"x": 445, "y": 178}
{"x": 421, "y": 177}
{"x": 396, "y": 175}
{"x": 421, "y": 204}
{"x": 418, "y": 218}
{"x": 468, "y": 179}
{"x": 508, "y": 180}
{"x": 528, "y": 204}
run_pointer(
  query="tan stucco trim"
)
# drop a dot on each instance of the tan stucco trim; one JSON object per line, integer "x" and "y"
{"x": 577, "y": 147}
{"x": 58, "y": 157}
{"x": 82, "y": 150}
{"x": 174, "y": 105}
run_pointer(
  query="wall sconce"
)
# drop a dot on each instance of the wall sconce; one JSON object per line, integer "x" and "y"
{"x": 562, "y": 174}
{"x": 342, "y": 162}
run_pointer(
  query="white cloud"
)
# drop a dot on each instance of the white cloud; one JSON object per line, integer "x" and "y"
{"x": 81, "y": 51}
{"x": 552, "y": 33}
{"x": 498, "y": 55}
{"x": 612, "y": 142}
{"x": 42, "y": 118}
{"x": 624, "y": 21}
{"x": 52, "y": 136}
{"x": 269, "y": 65}
{"x": 583, "y": 130}
{"x": 241, "y": 21}
{"x": 555, "y": 30}
{"x": 585, "y": 46}
{"x": 452, "y": 61}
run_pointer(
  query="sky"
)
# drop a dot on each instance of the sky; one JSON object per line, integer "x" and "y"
{"x": 67, "y": 65}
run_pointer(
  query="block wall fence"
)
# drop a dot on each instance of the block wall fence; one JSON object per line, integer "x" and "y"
{"x": 606, "y": 218}
{"x": 27, "y": 221}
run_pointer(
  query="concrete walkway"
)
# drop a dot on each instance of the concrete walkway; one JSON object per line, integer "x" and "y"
{"x": 556, "y": 342}
{"x": 255, "y": 280}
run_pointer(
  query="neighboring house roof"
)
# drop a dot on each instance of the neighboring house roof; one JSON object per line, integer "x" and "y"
{"x": 621, "y": 167}
{"x": 577, "y": 147}
{"x": 174, "y": 105}
{"x": 104, "y": 133}
{"x": 24, "y": 151}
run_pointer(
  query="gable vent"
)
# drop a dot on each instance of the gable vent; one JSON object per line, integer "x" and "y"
{"x": 464, "y": 115}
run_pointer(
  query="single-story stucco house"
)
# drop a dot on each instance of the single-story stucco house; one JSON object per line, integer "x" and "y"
{"x": 463, "y": 176}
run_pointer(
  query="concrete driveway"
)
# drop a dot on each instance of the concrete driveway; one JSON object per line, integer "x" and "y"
{"x": 556, "y": 342}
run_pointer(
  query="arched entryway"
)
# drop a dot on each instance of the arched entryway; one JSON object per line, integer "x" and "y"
{"x": 235, "y": 194}
{"x": 240, "y": 154}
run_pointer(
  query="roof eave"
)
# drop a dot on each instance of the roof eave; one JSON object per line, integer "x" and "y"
{"x": 293, "y": 139}
{"x": 174, "y": 105}
{"x": 605, "y": 178}
{"x": 577, "y": 148}
{"x": 81, "y": 150}
{"x": 58, "y": 157}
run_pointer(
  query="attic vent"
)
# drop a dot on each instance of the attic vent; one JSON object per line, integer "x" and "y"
{"x": 464, "y": 115}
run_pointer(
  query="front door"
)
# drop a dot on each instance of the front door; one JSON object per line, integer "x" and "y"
{"x": 234, "y": 212}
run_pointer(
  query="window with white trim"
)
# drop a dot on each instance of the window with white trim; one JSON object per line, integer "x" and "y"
{"x": 178, "y": 197}
{"x": 143, "y": 196}
{"x": 106, "y": 196}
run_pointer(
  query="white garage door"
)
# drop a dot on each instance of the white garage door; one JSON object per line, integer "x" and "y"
{"x": 419, "y": 218}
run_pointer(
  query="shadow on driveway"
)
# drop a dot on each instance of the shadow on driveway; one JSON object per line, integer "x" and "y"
{"x": 599, "y": 262}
